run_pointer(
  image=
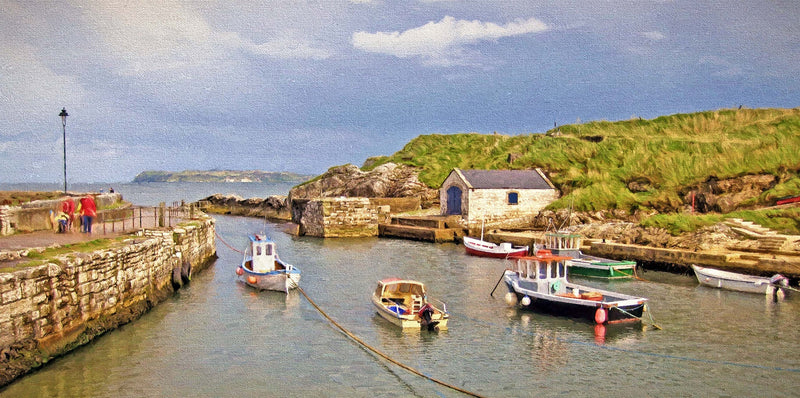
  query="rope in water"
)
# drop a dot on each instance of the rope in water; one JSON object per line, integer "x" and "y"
{"x": 652, "y": 321}
{"x": 381, "y": 354}
{"x": 226, "y": 244}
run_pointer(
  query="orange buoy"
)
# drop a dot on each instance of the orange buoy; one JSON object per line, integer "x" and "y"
{"x": 252, "y": 280}
{"x": 239, "y": 271}
{"x": 601, "y": 315}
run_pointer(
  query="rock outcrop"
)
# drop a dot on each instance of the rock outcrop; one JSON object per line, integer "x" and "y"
{"x": 274, "y": 207}
{"x": 727, "y": 195}
{"x": 388, "y": 180}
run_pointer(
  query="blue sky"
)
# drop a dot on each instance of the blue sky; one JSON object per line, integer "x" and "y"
{"x": 305, "y": 85}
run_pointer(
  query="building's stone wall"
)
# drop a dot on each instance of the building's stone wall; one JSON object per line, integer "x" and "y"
{"x": 339, "y": 218}
{"x": 49, "y": 309}
{"x": 491, "y": 205}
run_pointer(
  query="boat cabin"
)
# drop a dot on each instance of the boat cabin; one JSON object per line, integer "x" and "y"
{"x": 407, "y": 295}
{"x": 563, "y": 243}
{"x": 543, "y": 273}
{"x": 263, "y": 256}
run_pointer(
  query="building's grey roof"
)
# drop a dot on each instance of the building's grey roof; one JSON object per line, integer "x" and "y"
{"x": 506, "y": 179}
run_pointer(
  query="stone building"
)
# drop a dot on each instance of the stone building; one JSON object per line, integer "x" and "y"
{"x": 496, "y": 195}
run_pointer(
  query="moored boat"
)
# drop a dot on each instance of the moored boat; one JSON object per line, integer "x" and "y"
{"x": 566, "y": 244}
{"x": 740, "y": 282}
{"x": 405, "y": 303}
{"x": 477, "y": 247}
{"x": 540, "y": 283}
{"x": 261, "y": 267}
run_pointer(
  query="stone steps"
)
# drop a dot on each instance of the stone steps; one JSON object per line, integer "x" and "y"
{"x": 768, "y": 239}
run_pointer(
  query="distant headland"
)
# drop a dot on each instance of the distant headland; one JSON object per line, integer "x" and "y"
{"x": 220, "y": 176}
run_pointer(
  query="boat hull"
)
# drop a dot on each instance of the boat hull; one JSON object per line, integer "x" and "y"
{"x": 602, "y": 269}
{"x": 481, "y": 248}
{"x": 408, "y": 321}
{"x": 736, "y": 282}
{"x": 615, "y": 307}
{"x": 281, "y": 280}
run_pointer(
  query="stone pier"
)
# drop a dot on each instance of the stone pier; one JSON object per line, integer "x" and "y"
{"x": 47, "y": 310}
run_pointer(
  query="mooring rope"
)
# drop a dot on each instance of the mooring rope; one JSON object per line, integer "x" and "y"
{"x": 226, "y": 244}
{"x": 652, "y": 321}
{"x": 381, "y": 354}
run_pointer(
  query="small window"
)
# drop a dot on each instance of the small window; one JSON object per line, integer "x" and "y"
{"x": 513, "y": 198}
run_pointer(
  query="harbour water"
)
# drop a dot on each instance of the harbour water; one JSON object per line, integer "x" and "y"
{"x": 219, "y": 338}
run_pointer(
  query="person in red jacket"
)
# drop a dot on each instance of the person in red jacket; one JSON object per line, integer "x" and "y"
{"x": 68, "y": 208}
{"x": 88, "y": 213}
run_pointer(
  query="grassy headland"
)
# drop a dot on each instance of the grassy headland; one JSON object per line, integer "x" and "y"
{"x": 595, "y": 164}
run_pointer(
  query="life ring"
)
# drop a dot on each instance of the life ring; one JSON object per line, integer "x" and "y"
{"x": 555, "y": 286}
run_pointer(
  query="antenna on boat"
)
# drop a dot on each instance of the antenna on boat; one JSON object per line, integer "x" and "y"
{"x": 569, "y": 215}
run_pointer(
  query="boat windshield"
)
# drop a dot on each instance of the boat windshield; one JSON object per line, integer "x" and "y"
{"x": 404, "y": 288}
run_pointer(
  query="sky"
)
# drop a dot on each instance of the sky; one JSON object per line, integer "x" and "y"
{"x": 302, "y": 86}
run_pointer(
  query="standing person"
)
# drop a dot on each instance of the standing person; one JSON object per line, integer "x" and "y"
{"x": 88, "y": 213}
{"x": 68, "y": 208}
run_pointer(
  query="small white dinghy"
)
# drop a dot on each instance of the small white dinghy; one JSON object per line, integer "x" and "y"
{"x": 740, "y": 282}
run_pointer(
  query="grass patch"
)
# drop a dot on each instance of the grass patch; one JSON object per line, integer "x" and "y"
{"x": 50, "y": 255}
{"x": 591, "y": 163}
{"x": 785, "y": 221}
{"x": 677, "y": 224}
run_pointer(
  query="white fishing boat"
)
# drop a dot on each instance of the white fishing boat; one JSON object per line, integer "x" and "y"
{"x": 740, "y": 282}
{"x": 477, "y": 247}
{"x": 482, "y": 248}
{"x": 405, "y": 303}
{"x": 540, "y": 283}
{"x": 262, "y": 269}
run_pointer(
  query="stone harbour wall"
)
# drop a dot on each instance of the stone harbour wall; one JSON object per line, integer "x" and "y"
{"x": 339, "y": 218}
{"x": 50, "y": 309}
{"x": 35, "y": 216}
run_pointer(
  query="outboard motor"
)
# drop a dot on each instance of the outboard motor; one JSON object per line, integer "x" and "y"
{"x": 425, "y": 314}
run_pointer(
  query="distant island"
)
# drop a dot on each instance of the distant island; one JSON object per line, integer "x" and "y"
{"x": 220, "y": 176}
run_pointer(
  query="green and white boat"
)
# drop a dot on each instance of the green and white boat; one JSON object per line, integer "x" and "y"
{"x": 567, "y": 244}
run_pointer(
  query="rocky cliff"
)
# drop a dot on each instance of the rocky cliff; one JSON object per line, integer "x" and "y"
{"x": 389, "y": 180}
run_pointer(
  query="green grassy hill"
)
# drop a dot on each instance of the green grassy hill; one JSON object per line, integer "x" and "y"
{"x": 594, "y": 164}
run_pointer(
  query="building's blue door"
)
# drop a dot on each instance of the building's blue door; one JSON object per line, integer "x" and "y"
{"x": 454, "y": 200}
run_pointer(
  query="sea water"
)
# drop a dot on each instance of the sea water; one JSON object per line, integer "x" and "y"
{"x": 219, "y": 338}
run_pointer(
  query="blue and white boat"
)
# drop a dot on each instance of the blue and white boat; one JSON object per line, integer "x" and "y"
{"x": 540, "y": 283}
{"x": 262, "y": 269}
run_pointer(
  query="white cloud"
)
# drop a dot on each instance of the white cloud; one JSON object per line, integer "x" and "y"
{"x": 653, "y": 35}
{"x": 442, "y": 42}
{"x": 168, "y": 36}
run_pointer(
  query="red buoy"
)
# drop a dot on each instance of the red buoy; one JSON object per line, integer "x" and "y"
{"x": 252, "y": 280}
{"x": 239, "y": 271}
{"x": 601, "y": 315}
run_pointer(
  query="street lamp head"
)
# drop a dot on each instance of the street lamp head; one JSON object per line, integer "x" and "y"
{"x": 63, "y": 115}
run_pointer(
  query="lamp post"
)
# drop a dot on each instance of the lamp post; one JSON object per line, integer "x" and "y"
{"x": 64, "y": 115}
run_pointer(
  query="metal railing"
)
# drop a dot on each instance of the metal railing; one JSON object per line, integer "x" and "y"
{"x": 135, "y": 218}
